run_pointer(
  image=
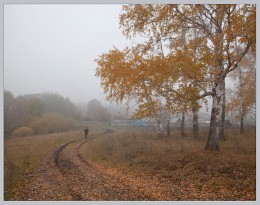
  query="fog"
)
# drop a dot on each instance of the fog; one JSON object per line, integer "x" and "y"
{"x": 51, "y": 48}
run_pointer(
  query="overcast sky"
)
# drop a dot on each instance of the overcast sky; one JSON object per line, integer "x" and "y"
{"x": 51, "y": 48}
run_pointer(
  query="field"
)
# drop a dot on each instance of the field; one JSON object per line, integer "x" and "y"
{"x": 167, "y": 169}
{"x": 183, "y": 168}
{"x": 23, "y": 155}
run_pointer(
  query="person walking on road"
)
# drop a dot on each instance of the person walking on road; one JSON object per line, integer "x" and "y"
{"x": 86, "y": 132}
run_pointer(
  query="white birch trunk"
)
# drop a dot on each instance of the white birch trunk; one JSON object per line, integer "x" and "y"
{"x": 217, "y": 106}
{"x": 218, "y": 87}
{"x": 223, "y": 111}
{"x": 241, "y": 99}
{"x": 195, "y": 109}
{"x": 159, "y": 128}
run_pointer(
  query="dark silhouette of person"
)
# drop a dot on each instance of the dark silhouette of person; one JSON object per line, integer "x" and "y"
{"x": 86, "y": 132}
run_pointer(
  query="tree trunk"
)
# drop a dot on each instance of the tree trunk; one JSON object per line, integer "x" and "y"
{"x": 159, "y": 128}
{"x": 241, "y": 106}
{"x": 254, "y": 77}
{"x": 168, "y": 119}
{"x": 218, "y": 88}
{"x": 195, "y": 123}
{"x": 222, "y": 112}
{"x": 214, "y": 131}
{"x": 168, "y": 129}
{"x": 195, "y": 109}
{"x": 212, "y": 141}
{"x": 182, "y": 125}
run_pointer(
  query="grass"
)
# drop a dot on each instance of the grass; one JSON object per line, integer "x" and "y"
{"x": 22, "y": 155}
{"x": 227, "y": 174}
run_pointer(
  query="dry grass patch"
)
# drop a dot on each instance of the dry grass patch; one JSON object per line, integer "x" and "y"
{"x": 227, "y": 174}
{"x": 23, "y": 155}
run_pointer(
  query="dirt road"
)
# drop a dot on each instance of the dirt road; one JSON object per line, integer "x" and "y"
{"x": 65, "y": 175}
{"x": 68, "y": 176}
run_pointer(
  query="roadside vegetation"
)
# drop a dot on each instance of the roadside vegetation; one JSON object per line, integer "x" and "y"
{"x": 23, "y": 155}
{"x": 173, "y": 161}
{"x": 229, "y": 174}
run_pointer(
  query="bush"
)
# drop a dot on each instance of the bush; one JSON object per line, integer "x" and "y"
{"x": 51, "y": 122}
{"x": 22, "y": 131}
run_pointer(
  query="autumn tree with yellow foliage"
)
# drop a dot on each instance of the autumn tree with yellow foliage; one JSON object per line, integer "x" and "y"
{"x": 186, "y": 54}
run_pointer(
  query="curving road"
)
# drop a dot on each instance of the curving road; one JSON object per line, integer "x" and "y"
{"x": 66, "y": 175}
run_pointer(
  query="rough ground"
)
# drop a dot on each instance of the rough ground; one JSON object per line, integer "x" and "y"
{"x": 65, "y": 175}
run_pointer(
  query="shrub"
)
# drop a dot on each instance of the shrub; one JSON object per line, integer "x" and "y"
{"x": 22, "y": 131}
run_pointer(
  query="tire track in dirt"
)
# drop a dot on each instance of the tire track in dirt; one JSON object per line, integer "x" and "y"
{"x": 86, "y": 183}
{"x": 64, "y": 166}
{"x": 66, "y": 175}
{"x": 57, "y": 152}
{"x": 48, "y": 183}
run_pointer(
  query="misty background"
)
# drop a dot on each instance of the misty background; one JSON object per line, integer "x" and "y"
{"x": 51, "y": 48}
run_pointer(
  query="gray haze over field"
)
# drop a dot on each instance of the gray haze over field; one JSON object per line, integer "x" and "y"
{"x": 51, "y": 48}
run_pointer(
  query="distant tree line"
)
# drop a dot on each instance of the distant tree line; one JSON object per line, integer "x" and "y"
{"x": 97, "y": 112}
{"x": 46, "y": 113}
{"x": 38, "y": 113}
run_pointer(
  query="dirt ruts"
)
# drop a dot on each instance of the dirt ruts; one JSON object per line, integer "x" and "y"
{"x": 66, "y": 175}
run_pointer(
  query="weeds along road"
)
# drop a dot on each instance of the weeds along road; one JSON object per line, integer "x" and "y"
{"x": 66, "y": 175}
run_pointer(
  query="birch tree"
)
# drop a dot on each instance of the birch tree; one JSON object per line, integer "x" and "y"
{"x": 220, "y": 27}
{"x": 217, "y": 27}
{"x": 127, "y": 75}
{"x": 242, "y": 98}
